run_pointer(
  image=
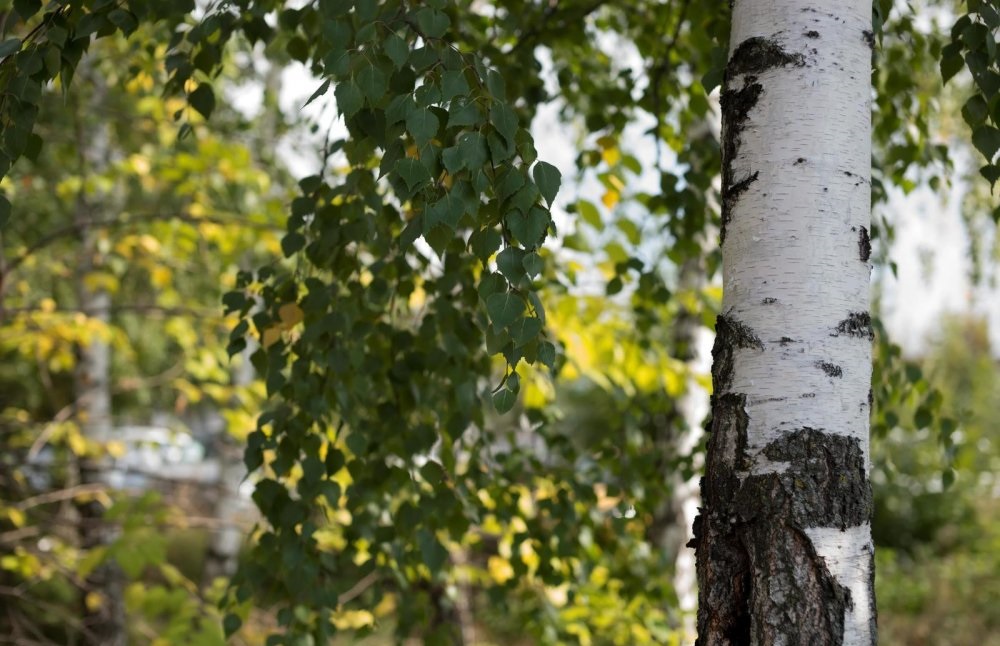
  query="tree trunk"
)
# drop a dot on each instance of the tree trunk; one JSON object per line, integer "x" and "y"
{"x": 105, "y": 619}
{"x": 783, "y": 541}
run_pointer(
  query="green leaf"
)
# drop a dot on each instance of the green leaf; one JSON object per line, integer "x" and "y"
{"x": 320, "y": 91}
{"x": 533, "y": 264}
{"x": 991, "y": 173}
{"x": 951, "y": 61}
{"x": 975, "y": 111}
{"x": 349, "y": 98}
{"x": 203, "y": 100}
{"x": 124, "y": 20}
{"x": 5, "y": 209}
{"x": 33, "y": 147}
{"x": 373, "y": 83}
{"x": 9, "y": 46}
{"x": 463, "y": 112}
{"x": 490, "y": 284}
{"x": 525, "y": 330}
{"x": 528, "y": 227}
{"x": 413, "y": 173}
{"x": 422, "y": 124}
{"x": 504, "y": 120}
{"x": 504, "y": 308}
{"x": 548, "y": 179}
{"x": 453, "y": 84}
{"x": 27, "y": 8}
{"x": 590, "y": 214}
{"x": 431, "y": 551}
{"x": 448, "y": 211}
{"x": 484, "y": 243}
{"x": 334, "y": 8}
{"x": 292, "y": 242}
{"x": 509, "y": 184}
{"x": 432, "y": 23}
{"x": 495, "y": 84}
{"x": 986, "y": 139}
{"x": 504, "y": 400}
{"x": 472, "y": 150}
{"x": 547, "y": 354}
{"x": 396, "y": 49}
{"x": 231, "y": 624}
{"x": 510, "y": 262}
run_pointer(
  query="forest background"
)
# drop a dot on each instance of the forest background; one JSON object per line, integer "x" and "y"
{"x": 134, "y": 218}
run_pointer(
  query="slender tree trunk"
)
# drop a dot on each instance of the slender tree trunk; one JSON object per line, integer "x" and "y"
{"x": 692, "y": 408}
{"x": 105, "y": 620}
{"x": 783, "y": 541}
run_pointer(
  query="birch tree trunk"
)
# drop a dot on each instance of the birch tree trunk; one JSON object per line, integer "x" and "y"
{"x": 783, "y": 541}
{"x": 105, "y": 621}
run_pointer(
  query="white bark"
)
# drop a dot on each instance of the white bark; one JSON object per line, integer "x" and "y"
{"x": 794, "y": 237}
{"x": 793, "y": 358}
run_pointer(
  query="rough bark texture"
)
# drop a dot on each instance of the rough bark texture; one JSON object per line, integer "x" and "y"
{"x": 783, "y": 541}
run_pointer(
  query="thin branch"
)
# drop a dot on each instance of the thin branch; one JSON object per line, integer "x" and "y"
{"x": 61, "y": 494}
{"x": 76, "y": 228}
{"x": 358, "y": 588}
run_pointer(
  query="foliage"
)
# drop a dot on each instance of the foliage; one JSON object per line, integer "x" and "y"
{"x": 421, "y": 282}
{"x": 173, "y": 220}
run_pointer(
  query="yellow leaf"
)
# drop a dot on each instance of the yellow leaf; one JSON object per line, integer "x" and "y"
{"x": 160, "y": 276}
{"x": 500, "y": 569}
{"x": 16, "y": 516}
{"x": 290, "y": 314}
{"x": 93, "y": 601}
{"x": 115, "y": 448}
{"x": 611, "y": 155}
{"x": 271, "y": 336}
{"x": 610, "y": 198}
{"x": 345, "y": 619}
{"x": 76, "y": 442}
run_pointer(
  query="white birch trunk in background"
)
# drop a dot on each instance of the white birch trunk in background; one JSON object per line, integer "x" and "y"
{"x": 783, "y": 541}
{"x": 106, "y": 622}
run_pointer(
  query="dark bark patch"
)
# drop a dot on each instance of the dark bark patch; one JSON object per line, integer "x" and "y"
{"x": 871, "y": 397}
{"x": 800, "y": 160}
{"x": 864, "y": 245}
{"x": 825, "y": 484}
{"x": 770, "y": 300}
{"x": 857, "y": 324}
{"x": 736, "y": 106}
{"x": 812, "y": 34}
{"x": 807, "y": 395}
{"x": 723, "y": 565}
{"x": 831, "y": 369}
{"x": 730, "y": 335}
{"x": 785, "y": 340}
{"x": 869, "y": 37}
{"x": 760, "y": 578}
{"x": 756, "y": 55}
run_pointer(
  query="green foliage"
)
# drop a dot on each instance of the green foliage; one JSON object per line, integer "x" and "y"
{"x": 973, "y": 47}
{"x": 412, "y": 294}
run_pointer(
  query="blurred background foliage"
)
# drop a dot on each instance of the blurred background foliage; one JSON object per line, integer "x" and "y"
{"x": 579, "y": 506}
